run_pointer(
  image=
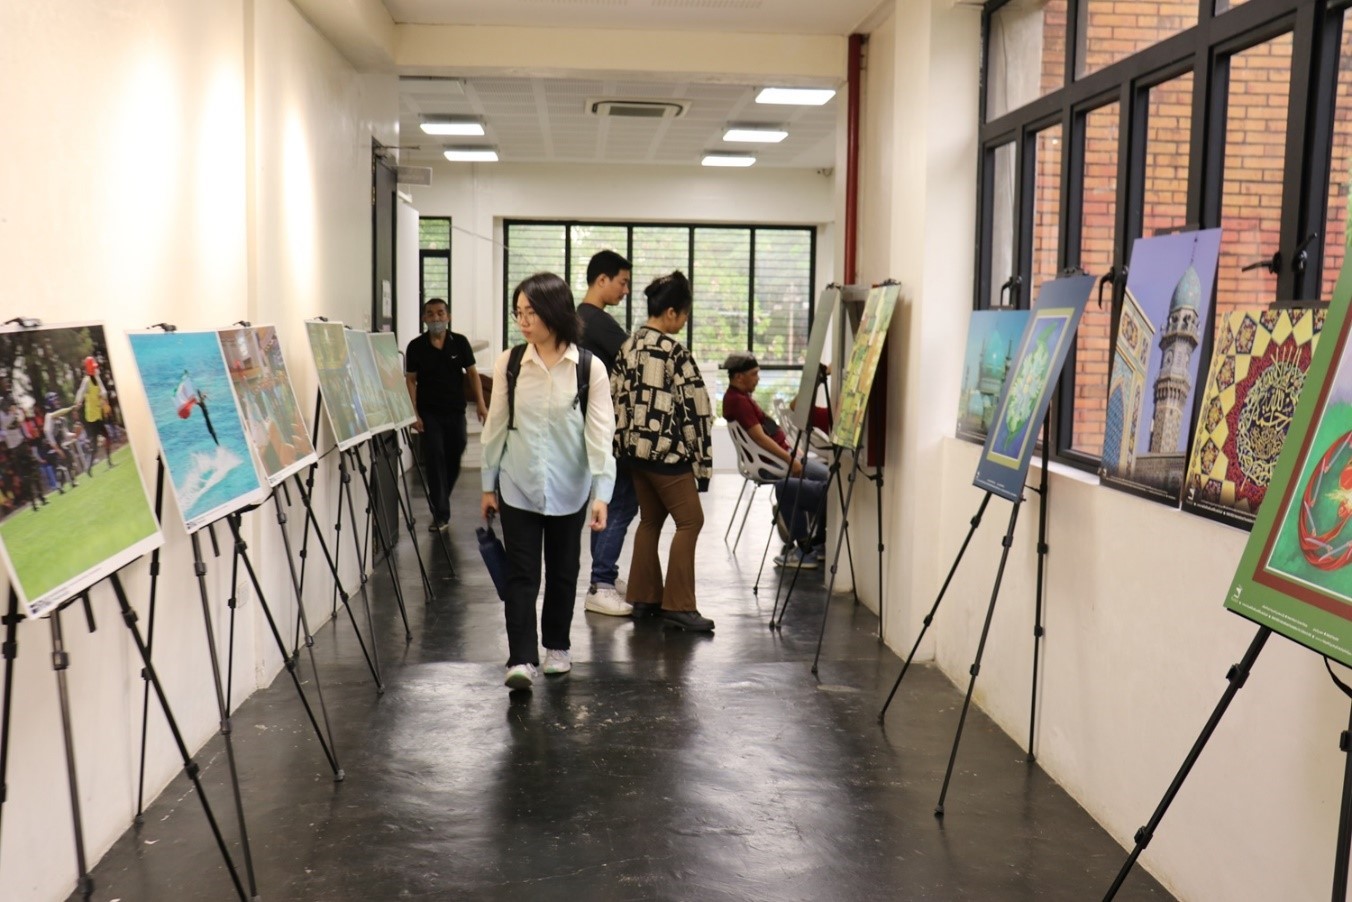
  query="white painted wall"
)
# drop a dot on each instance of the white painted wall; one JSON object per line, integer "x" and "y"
{"x": 192, "y": 163}
{"x": 1137, "y": 642}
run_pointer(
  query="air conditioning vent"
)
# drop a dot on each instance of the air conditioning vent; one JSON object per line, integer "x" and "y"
{"x": 415, "y": 175}
{"x": 631, "y": 108}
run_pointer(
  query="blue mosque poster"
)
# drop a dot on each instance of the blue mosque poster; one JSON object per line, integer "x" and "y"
{"x": 992, "y": 337}
{"x": 1152, "y": 386}
{"x": 1037, "y": 365}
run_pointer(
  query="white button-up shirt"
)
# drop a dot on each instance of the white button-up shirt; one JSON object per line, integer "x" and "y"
{"x": 551, "y": 463}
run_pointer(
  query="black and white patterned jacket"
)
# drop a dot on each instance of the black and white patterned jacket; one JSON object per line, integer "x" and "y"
{"x": 663, "y": 417}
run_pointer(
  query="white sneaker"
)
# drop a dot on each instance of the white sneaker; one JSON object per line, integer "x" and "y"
{"x": 557, "y": 660}
{"x": 607, "y": 600}
{"x": 520, "y": 676}
{"x": 622, "y": 587}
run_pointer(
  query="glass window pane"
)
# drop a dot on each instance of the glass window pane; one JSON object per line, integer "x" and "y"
{"x": 1168, "y": 144}
{"x": 436, "y": 276}
{"x": 434, "y": 233}
{"x": 1097, "y": 232}
{"x": 1255, "y": 157}
{"x": 1339, "y": 197}
{"x": 1026, "y": 56}
{"x": 531, "y": 248}
{"x": 1046, "y": 206}
{"x": 1115, "y": 29}
{"x": 1002, "y": 221}
{"x": 587, "y": 240}
{"x": 783, "y": 295}
{"x": 657, "y": 251}
{"x": 722, "y": 285}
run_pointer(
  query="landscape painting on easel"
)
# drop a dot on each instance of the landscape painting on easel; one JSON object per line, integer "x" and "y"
{"x": 1258, "y": 368}
{"x": 202, "y": 439}
{"x": 857, "y": 380}
{"x": 366, "y": 375}
{"x": 1037, "y": 365}
{"x": 73, "y": 508}
{"x": 1295, "y": 575}
{"x": 992, "y": 337}
{"x": 385, "y": 347}
{"x": 337, "y": 389}
{"x": 263, "y": 389}
{"x": 1156, "y": 362}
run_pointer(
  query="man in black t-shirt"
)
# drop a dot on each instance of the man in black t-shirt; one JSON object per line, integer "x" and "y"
{"x": 438, "y": 365}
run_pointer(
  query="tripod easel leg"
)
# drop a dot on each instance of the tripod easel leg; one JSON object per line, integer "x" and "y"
{"x": 427, "y": 493}
{"x": 1007, "y": 542}
{"x": 376, "y": 451}
{"x": 831, "y": 584}
{"x": 150, "y": 645}
{"x": 10, "y": 650}
{"x": 1340, "y": 863}
{"x": 376, "y": 521}
{"x": 778, "y": 612}
{"x": 1042, "y": 549}
{"x": 60, "y": 662}
{"x": 1237, "y": 676}
{"x": 345, "y": 497}
{"x": 929, "y": 618}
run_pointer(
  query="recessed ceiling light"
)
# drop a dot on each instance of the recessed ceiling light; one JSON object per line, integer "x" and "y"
{"x": 728, "y": 159}
{"x": 453, "y": 126}
{"x": 755, "y": 134}
{"x": 796, "y": 96}
{"x": 471, "y": 154}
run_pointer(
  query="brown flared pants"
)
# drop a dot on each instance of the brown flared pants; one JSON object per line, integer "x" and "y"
{"x": 659, "y": 496}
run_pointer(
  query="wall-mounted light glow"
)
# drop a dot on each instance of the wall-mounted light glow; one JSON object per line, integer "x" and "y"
{"x": 728, "y": 159}
{"x": 796, "y": 96}
{"x": 471, "y": 155}
{"x": 452, "y": 125}
{"x": 755, "y": 134}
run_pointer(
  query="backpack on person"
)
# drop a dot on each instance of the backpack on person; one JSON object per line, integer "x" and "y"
{"x": 584, "y": 361}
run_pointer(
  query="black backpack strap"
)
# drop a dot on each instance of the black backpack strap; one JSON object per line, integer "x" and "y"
{"x": 513, "y": 370}
{"x": 584, "y": 365}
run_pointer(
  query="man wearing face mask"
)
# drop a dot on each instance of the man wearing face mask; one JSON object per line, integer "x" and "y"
{"x": 439, "y": 371}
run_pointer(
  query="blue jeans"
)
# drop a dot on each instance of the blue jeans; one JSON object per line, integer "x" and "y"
{"x": 607, "y": 544}
{"x": 804, "y": 499}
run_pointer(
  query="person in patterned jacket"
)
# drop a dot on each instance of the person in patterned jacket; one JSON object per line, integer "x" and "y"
{"x": 663, "y": 423}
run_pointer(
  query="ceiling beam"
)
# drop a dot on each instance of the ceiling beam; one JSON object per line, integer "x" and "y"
{"x": 361, "y": 30}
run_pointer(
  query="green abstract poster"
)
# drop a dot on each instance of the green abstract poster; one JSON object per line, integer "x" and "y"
{"x": 1296, "y": 572}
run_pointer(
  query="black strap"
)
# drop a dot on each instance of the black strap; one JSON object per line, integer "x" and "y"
{"x": 584, "y": 360}
{"x": 513, "y": 370}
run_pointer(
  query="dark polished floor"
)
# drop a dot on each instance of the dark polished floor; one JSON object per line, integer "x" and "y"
{"x": 665, "y": 766}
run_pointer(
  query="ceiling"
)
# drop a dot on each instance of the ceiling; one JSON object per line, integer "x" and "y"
{"x": 546, "y": 119}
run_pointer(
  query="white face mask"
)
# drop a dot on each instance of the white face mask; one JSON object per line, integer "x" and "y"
{"x": 437, "y": 328}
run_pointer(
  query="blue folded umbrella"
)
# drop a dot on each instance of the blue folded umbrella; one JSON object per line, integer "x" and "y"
{"x": 495, "y": 557}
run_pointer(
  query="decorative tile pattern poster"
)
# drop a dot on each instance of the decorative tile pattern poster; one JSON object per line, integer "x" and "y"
{"x": 1156, "y": 363}
{"x": 201, "y": 436}
{"x": 337, "y": 389}
{"x": 379, "y": 417}
{"x": 992, "y": 337}
{"x": 1037, "y": 364}
{"x": 73, "y": 508}
{"x": 385, "y": 347}
{"x": 1257, "y": 371}
{"x": 822, "y": 315}
{"x": 857, "y": 381}
{"x": 262, "y": 385}
{"x": 1294, "y": 576}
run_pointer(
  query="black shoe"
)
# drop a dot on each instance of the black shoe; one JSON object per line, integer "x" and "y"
{"x": 690, "y": 621}
{"x": 437, "y": 526}
{"x": 644, "y": 609}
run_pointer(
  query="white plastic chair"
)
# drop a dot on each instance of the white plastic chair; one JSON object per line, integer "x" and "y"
{"x": 818, "y": 442}
{"x": 758, "y": 467}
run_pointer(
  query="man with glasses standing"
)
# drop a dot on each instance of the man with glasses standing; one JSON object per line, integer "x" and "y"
{"x": 438, "y": 366}
{"x": 607, "y": 286}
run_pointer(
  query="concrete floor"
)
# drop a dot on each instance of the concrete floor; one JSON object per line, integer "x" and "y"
{"x": 665, "y": 766}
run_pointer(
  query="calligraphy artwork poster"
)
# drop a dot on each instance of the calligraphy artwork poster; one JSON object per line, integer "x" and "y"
{"x": 1041, "y": 353}
{"x": 1295, "y": 575}
{"x": 262, "y": 384}
{"x": 73, "y": 507}
{"x": 385, "y": 347}
{"x": 1258, "y": 368}
{"x": 857, "y": 380}
{"x": 366, "y": 376}
{"x": 822, "y": 315}
{"x": 201, "y": 436}
{"x": 337, "y": 389}
{"x": 992, "y": 337}
{"x": 1156, "y": 362}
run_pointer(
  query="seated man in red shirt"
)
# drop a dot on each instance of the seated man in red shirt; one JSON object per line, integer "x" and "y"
{"x": 803, "y": 492}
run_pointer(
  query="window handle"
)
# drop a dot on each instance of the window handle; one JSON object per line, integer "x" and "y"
{"x": 1011, "y": 285}
{"x": 1108, "y": 278}
{"x": 1302, "y": 255}
{"x": 1272, "y": 264}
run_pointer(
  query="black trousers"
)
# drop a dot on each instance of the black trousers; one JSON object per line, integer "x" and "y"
{"x": 443, "y": 443}
{"x": 526, "y": 534}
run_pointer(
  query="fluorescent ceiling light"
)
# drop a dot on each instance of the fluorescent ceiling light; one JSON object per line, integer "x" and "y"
{"x": 471, "y": 155}
{"x": 755, "y": 134}
{"x": 728, "y": 159}
{"x": 796, "y": 96}
{"x": 453, "y": 126}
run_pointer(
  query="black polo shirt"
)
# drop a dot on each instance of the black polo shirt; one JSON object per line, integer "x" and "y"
{"x": 441, "y": 373}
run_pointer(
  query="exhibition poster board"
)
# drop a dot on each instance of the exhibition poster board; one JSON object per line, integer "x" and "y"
{"x": 1042, "y": 351}
{"x": 822, "y": 317}
{"x": 1258, "y": 368}
{"x": 366, "y": 377}
{"x": 992, "y": 338}
{"x": 73, "y": 506}
{"x": 337, "y": 389}
{"x": 385, "y": 347}
{"x": 272, "y": 417}
{"x": 857, "y": 380}
{"x": 202, "y": 441}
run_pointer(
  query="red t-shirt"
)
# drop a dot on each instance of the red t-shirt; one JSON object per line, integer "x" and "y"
{"x": 741, "y": 408}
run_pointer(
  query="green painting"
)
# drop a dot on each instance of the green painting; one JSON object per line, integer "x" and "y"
{"x": 857, "y": 381}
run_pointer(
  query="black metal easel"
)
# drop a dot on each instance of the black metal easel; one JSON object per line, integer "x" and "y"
{"x": 10, "y": 649}
{"x": 378, "y": 453}
{"x": 373, "y": 519}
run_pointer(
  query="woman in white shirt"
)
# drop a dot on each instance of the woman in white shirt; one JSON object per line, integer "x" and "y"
{"x": 540, "y": 473}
